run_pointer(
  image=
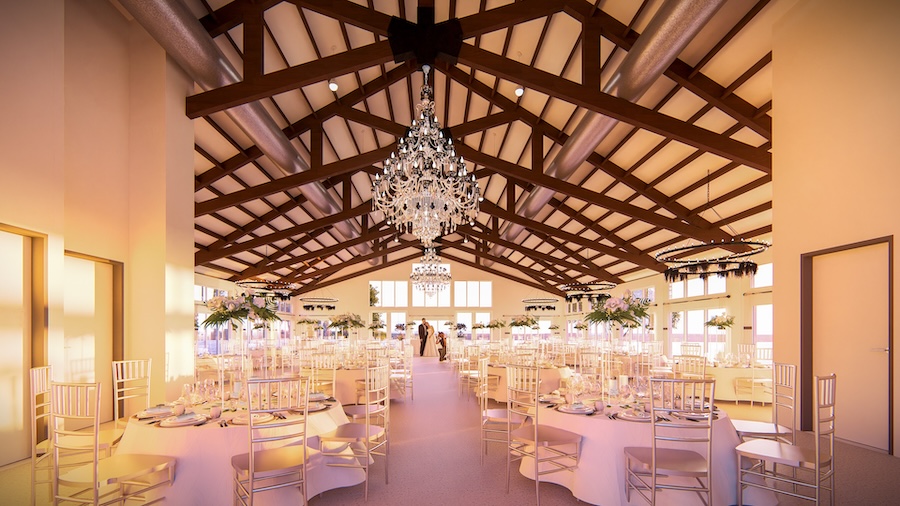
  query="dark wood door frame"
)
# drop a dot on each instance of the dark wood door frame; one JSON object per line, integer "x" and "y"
{"x": 806, "y": 331}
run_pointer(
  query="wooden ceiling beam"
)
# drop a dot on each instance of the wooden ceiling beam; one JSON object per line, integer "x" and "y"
{"x": 646, "y": 261}
{"x": 281, "y": 81}
{"x": 566, "y": 188}
{"x": 293, "y": 181}
{"x": 202, "y": 257}
{"x": 615, "y": 107}
{"x": 348, "y": 12}
{"x": 680, "y": 72}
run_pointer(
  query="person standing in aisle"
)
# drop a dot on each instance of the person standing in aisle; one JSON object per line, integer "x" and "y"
{"x": 423, "y": 335}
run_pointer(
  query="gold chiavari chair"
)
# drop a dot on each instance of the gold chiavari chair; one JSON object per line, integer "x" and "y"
{"x": 277, "y": 409}
{"x": 80, "y": 475}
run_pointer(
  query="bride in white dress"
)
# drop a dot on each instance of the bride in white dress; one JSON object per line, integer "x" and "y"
{"x": 430, "y": 345}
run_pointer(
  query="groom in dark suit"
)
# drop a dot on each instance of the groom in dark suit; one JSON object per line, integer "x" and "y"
{"x": 423, "y": 334}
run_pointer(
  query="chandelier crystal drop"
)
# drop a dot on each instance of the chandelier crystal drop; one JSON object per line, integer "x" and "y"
{"x": 424, "y": 188}
{"x": 430, "y": 275}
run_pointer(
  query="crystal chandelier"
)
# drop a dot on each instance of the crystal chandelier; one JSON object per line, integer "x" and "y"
{"x": 430, "y": 275}
{"x": 424, "y": 188}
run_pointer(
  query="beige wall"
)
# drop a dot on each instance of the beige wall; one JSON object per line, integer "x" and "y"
{"x": 98, "y": 156}
{"x": 836, "y": 136}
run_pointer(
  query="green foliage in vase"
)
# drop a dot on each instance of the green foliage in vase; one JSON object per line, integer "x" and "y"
{"x": 626, "y": 311}
{"x": 235, "y": 310}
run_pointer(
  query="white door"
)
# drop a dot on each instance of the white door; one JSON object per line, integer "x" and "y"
{"x": 87, "y": 306}
{"x": 850, "y": 338}
{"x": 15, "y": 341}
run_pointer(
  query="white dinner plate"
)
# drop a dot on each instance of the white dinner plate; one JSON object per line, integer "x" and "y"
{"x": 576, "y": 409}
{"x": 548, "y": 398}
{"x": 244, "y": 418}
{"x": 184, "y": 420}
{"x": 316, "y": 406}
{"x": 633, "y": 416}
{"x": 317, "y": 396}
{"x": 156, "y": 412}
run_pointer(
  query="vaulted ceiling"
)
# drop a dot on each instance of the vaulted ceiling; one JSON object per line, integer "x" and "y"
{"x": 641, "y": 126}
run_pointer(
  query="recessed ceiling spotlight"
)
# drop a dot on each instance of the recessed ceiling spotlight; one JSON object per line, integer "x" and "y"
{"x": 333, "y": 86}
{"x": 520, "y": 91}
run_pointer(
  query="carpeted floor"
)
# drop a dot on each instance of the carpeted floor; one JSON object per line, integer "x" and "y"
{"x": 435, "y": 459}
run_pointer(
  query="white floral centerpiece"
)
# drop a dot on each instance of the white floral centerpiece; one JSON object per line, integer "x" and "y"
{"x": 523, "y": 321}
{"x": 236, "y": 309}
{"x": 476, "y": 326}
{"x": 347, "y": 321}
{"x": 722, "y": 321}
{"x": 580, "y": 325}
{"x": 626, "y": 311}
{"x": 496, "y": 324}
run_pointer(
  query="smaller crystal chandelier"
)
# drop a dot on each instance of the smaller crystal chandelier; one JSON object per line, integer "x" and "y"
{"x": 430, "y": 275}
{"x": 425, "y": 188}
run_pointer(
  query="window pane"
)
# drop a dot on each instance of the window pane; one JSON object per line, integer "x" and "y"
{"x": 763, "y": 276}
{"x": 444, "y": 297}
{"x": 715, "y": 284}
{"x": 762, "y": 325}
{"x": 695, "y": 325}
{"x": 695, "y": 287}
{"x": 418, "y": 297}
{"x": 375, "y": 286}
{"x": 676, "y": 290}
{"x": 386, "y": 299}
{"x": 651, "y": 294}
{"x": 465, "y": 319}
{"x": 486, "y": 294}
{"x": 472, "y": 289}
{"x": 401, "y": 297}
{"x": 459, "y": 294}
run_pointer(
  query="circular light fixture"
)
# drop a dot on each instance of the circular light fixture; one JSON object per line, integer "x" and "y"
{"x": 267, "y": 287}
{"x": 681, "y": 266}
{"x": 318, "y": 300}
{"x": 332, "y": 85}
{"x": 540, "y": 300}
{"x": 520, "y": 91}
{"x": 587, "y": 287}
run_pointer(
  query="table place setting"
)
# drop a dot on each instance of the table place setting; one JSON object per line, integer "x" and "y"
{"x": 184, "y": 420}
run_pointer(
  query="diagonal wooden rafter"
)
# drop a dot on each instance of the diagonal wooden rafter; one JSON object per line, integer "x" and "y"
{"x": 642, "y": 260}
{"x": 615, "y": 107}
{"x": 273, "y": 83}
{"x": 202, "y": 257}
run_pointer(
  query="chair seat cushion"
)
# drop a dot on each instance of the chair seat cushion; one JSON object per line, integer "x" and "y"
{"x": 669, "y": 461}
{"x": 273, "y": 461}
{"x": 546, "y": 435}
{"x": 751, "y": 428}
{"x": 352, "y": 432}
{"x": 359, "y": 410}
{"x": 118, "y": 468}
{"x": 775, "y": 451}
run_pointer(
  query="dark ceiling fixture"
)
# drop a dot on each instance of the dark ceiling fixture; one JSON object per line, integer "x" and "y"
{"x": 681, "y": 266}
{"x": 268, "y": 288}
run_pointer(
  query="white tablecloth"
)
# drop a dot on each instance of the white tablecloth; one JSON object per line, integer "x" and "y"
{"x": 600, "y": 476}
{"x": 203, "y": 459}
{"x": 550, "y": 380}
{"x": 725, "y": 377}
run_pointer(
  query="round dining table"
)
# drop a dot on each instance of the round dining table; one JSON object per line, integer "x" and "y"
{"x": 551, "y": 377}
{"x": 600, "y": 475}
{"x": 203, "y": 474}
